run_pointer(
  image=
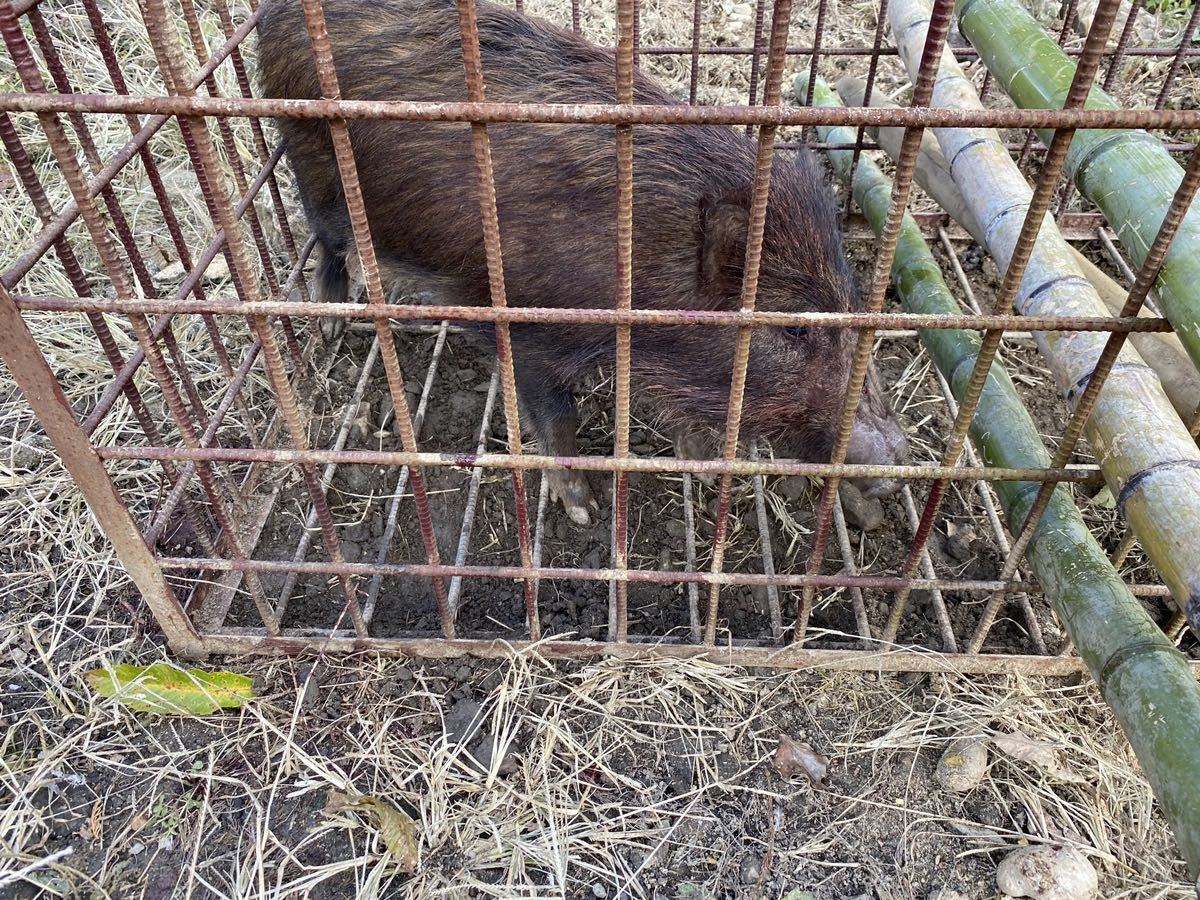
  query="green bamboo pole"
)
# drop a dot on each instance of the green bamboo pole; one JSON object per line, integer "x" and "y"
{"x": 1128, "y": 174}
{"x": 1145, "y": 680}
{"x": 1162, "y": 352}
{"x": 1133, "y": 429}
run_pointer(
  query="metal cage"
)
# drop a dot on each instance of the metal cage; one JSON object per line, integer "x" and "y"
{"x": 230, "y": 471}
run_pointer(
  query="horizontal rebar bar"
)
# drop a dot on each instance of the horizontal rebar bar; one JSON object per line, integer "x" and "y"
{"x": 654, "y": 576}
{"x": 739, "y": 653}
{"x": 1075, "y": 474}
{"x": 603, "y": 113}
{"x": 575, "y": 316}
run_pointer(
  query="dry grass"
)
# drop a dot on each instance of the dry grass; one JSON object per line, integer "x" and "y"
{"x": 98, "y": 802}
{"x": 638, "y": 777}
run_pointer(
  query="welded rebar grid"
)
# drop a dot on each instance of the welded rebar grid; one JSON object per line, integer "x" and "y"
{"x": 217, "y": 453}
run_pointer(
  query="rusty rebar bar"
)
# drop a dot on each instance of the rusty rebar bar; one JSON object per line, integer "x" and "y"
{"x": 939, "y": 25}
{"x": 578, "y": 316}
{"x": 1114, "y": 61}
{"x": 602, "y": 114}
{"x": 772, "y": 93}
{"x": 868, "y": 90}
{"x": 1035, "y": 214}
{"x": 1185, "y": 41}
{"x": 473, "y": 65}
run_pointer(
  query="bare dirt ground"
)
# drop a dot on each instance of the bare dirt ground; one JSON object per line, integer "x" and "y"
{"x": 605, "y": 779}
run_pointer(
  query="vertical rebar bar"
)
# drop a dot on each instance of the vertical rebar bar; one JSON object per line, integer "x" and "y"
{"x": 939, "y": 25}
{"x": 626, "y": 19}
{"x": 473, "y": 63}
{"x": 868, "y": 88}
{"x": 772, "y": 93}
{"x": 1185, "y": 41}
{"x": 1039, "y": 205}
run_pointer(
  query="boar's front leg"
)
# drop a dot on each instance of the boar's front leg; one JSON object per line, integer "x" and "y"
{"x": 553, "y": 418}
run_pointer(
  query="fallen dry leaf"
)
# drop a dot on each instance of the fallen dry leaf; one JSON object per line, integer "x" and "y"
{"x": 793, "y": 757}
{"x": 1039, "y": 753}
{"x": 164, "y": 690}
{"x": 398, "y": 830}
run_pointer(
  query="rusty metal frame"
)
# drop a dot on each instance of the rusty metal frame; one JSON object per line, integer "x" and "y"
{"x": 271, "y": 298}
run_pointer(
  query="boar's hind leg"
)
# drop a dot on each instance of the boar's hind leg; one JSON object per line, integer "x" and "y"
{"x": 553, "y": 418}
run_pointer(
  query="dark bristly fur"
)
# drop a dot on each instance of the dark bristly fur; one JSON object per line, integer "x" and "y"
{"x": 556, "y": 195}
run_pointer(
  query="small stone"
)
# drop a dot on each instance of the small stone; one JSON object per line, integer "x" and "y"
{"x": 599, "y": 890}
{"x": 751, "y": 869}
{"x": 484, "y": 751}
{"x": 26, "y": 456}
{"x": 404, "y": 674}
{"x": 792, "y": 487}
{"x": 310, "y": 687}
{"x": 962, "y": 766}
{"x": 170, "y": 273}
{"x": 356, "y": 479}
{"x": 679, "y": 766}
{"x": 676, "y": 529}
{"x": 1044, "y": 873}
{"x": 945, "y": 893}
{"x": 467, "y": 376}
{"x": 462, "y": 402}
{"x": 727, "y": 766}
{"x": 351, "y": 552}
{"x": 461, "y": 719}
{"x": 861, "y": 512}
{"x": 959, "y": 539}
{"x": 218, "y": 270}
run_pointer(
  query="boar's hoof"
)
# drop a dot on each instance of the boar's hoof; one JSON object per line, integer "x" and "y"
{"x": 694, "y": 444}
{"x": 332, "y": 329}
{"x": 571, "y": 489}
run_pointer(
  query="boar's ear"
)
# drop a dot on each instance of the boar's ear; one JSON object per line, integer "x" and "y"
{"x": 723, "y": 226}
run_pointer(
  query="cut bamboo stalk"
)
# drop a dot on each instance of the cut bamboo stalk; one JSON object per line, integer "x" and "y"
{"x": 1128, "y": 174}
{"x": 1149, "y": 460}
{"x": 1143, "y": 676}
{"x": 1162, "y": 352}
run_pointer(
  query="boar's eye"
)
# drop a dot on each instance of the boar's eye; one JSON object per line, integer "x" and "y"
{"x": 797, "y": 331}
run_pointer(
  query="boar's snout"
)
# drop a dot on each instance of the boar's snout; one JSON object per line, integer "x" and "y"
{"x": 877, "y": 439}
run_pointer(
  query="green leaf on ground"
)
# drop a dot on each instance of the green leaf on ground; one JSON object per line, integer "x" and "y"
{"x": 398, "y": 830}
{"x": 164, "y": 690}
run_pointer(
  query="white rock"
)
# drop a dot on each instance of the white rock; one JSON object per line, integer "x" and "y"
{"x": 1044, "y": 873}
{"x": 963, "y": 765}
